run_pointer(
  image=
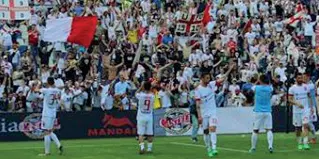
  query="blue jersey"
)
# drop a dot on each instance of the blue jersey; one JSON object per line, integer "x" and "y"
{"x": 312, "y": 90}
{"x": 263, "y": 94}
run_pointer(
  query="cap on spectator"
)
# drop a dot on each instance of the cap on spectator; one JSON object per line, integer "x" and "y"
{"x": 219, "y": 76}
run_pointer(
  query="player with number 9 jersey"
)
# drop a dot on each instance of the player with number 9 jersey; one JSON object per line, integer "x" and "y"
{"x": 144, "y": 116}
{"x": 145, "y": 105}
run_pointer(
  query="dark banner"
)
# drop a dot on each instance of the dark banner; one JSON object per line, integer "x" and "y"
{"x": 75, "y": 125}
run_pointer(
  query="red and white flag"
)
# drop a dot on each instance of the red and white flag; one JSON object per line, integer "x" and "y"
{"x": 294, "y": 20}
{"x": 77, "y": 30}
{"x": 206, "y": 18}
{"x": 14, "y": 10}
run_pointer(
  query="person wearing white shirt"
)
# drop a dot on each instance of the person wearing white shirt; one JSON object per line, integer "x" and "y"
{"x": 253, "y": 7}
{"x": 194, "y": 58}
{"x": 66, "y": 100}
{"x": 281, "y": 72}
{"x": 309, "y": 32}
{"x": 250, "y": 36}
{"x": 232, "y": 32}
{"x": 58, "y": 82}
{"x": 7, "y": 66}
{"x": 255, "y": 27}
{"x": 15, "y": 54}
{"x": 6, "y": 40}
{"x": 107, "y": 99}
{"x": 279, "y": 26}
{"x": 165, "y": 97}
{"x": 80, "y": 98}
{"x": 210, "y": 26}
{"x": 146, "y": 6}
{"x": 233, "y": 87}
{"x": 120, "y": 90}
{"x": 34, "y": 18}
{"x": 153, "y": 30}
{"x": 23, "y": 88}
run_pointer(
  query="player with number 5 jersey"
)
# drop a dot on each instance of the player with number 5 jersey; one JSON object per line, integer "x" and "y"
{"x": 145, "y": 116}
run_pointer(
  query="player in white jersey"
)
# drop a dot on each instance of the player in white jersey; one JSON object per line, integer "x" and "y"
{"x": 51, "y": 97}
{"x": 145, "y": 116}
{"x": 206, "y": 108}
{"x": 299, "y": 97}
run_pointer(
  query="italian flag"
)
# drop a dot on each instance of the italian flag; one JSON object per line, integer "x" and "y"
{"x": 77, "y": 30}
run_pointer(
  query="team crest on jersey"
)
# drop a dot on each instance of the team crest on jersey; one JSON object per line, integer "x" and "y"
{"x": 31, "y": 126}
{"x": 176, "y": 121}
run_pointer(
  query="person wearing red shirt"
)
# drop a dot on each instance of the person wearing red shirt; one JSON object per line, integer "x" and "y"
{"x": 33, "y": 42}
{"x": 231, "y": 46}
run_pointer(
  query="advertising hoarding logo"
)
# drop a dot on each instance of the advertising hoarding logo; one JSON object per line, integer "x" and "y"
{"x": 30, "y": 126}
{"x": 114, "y": 126}
{"x": 176, "y": 121}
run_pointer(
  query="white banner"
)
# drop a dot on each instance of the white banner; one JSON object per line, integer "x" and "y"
{"x": 231, "y": 120}
{"x": 235, "y": 120}
{"x": 14, "y": 10}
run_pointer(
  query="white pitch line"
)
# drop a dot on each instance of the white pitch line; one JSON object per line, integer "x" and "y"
{"x": 234, "y": 150}
{"x": 221, "y": 148}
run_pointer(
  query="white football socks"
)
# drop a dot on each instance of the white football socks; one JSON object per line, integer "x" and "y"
{"x": 305, "y": 140}
{"x": 254, "y": 138}
{"x": 55, "y": 139}
{"x": 142, "y": 146}
{"x": 270, "y": 138}
{"x": 47, "y": 142}
{"x": 149, "y": 146}
{"x": 207, "y": 141}
{"x": 213, "y": 138}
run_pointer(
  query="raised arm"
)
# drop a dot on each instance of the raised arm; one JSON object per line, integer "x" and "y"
{"x": 150, "y": 66}
{"x": 222, "y": 79}
{"x": 192, "y": 46}
{"x": 121, "y": 64}
{"x": 137, "y": 54}
{"x": 166, "y": 66}
{"x": 218, "y": 63}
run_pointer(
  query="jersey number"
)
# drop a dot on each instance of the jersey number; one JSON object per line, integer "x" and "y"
{"x": 147, "y": 105}
{"x": 53, "y": 99}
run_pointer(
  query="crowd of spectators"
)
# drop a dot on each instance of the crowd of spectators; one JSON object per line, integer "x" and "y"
{"x": 135, "y": 40}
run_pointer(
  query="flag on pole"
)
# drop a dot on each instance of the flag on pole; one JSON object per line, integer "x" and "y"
{"x": 247, "y": 26}
{"x": 294, "y": 20}
{"x": 78, "y": 30}
{"x": 206, "y": 17}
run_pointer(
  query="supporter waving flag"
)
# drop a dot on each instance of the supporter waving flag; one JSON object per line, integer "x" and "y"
{"x": 78, "y": 30}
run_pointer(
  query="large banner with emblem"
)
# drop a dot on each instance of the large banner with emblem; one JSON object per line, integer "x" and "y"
{"x": 69, "y": 125}
{"x": 189, "y": 23}
{"x": 14, "y": 10}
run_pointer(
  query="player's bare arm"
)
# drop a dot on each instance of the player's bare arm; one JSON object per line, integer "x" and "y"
{"x": 200, "y": 119}
{"x": 293, "y": 102}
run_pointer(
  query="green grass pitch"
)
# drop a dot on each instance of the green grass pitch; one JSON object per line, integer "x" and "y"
{"x": 229, "y": 146}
